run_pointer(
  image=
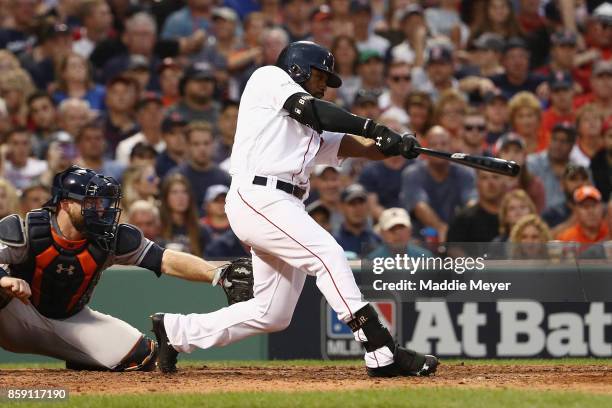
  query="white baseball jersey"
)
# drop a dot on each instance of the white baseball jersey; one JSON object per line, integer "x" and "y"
{"x": 270, "y": 143}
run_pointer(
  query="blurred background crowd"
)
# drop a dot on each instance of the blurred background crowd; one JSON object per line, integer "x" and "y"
{"x": 148, "y": 91}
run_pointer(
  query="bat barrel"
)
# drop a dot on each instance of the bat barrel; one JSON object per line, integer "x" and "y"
{"x": 491, "y": 164}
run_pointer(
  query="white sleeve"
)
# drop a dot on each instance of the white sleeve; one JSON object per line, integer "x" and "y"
{"x": 328, "y": 150}
{"x": 272, "y": 87}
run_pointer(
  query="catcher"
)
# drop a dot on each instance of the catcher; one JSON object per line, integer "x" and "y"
{"x": 53, "y": 260}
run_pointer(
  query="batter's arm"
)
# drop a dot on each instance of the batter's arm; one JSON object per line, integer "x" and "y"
{"x": 359, "y": 146}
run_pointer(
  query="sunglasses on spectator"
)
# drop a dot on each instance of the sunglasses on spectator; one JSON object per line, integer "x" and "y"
{"x": 397, "y": 78}
{"x": 480, "y": 128}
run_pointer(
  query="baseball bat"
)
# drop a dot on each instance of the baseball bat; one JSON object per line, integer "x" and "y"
{"x": 492, "y": 164}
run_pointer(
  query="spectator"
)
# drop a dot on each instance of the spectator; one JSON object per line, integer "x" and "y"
{"x": 145, "y": 216}
{"x": 512, "y": 147}
{"x": 199, "y": 168}
{"x": 601, "y": 89}
{"x": 321, "y": 26}
{"x": 517, "y": 77}
{"x": 139, "y": 183}
{"x": 250, "y": 52}
{"x": 296, "y": 22}
{"x": 479, "y": 222}
{"x": 346, "y": 53}
{"x": 42, "y": 114}
{"x": 497, "y": 116}
{"x": 219, "y": 50}
{"x": 514, "y": 205}
{"x": 499, "y": 18}
{"x": 525, "y": 115}
{"x": 97, "y": 22}
{"x": 438, "y": 73}
{"x": 561, "y": 216}
{"x": 149, "y": 115}
{"x": 433, "y": 189}
{"x": 143, "y": 154}
{"x": 473, "y": 134}
{"x": 601, "y": 164}
{"x": 180, "y": 227}
{"x": 412, "y": 25}
{"x": 33, "y": 197}
{"x": 320, "y": 214}
{"x": 562, "y": 53}
{"x": 326, "y": 186}
{"x": 215, "y": 221}
{"x": 121, "y": 98}
{"x": 73, "y": 114}
{"x": 9, "y": 203}
{"x": 398, "y": 83}
{"x": 449, "y": 113}
{"x": 561, "y": 87}
{"x": 396, "y": 230}
{"x": 382, "y": 180}
{"x": 138, "y": 70}
{"x": 366, "y": 104}
{"x": 139, "y": 39}
{"x": 75, "y": 80}
{"x": 589, "y": 121}
{"x": 361, "y": 13}
{"x": 529, "y": 238}
{"x": 15, "y": 88}
{"x": 420, "y": 110}
{"x": 60, "y": 155}
{"x": 196, "y": 88}
{"x": 19, "y": 167}
{"x": 173, "y": 131}
{"x": 550, "y": 164}
{"x": 590, "y": 224}
{"x": 91, "y": 147}
{"x": 487, "y": 54}
{"x": 196, "y": 15}
{"x": 355, "y": 235}
{"x": 444, "y": 21}
{"x": 227, "y": 129}
{"x": 371, "y": 69}
{"x": 170, "y": 73}
{"x": 54, "y": 43}
{"x": 18, "y": 36}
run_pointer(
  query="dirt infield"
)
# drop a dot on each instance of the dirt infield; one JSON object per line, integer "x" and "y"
{"x": 586, "y": 378}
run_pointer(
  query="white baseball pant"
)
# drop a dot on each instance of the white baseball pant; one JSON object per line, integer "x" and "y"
{"x": 286, "y": 244}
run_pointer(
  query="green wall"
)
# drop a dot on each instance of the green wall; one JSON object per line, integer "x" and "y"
{"x": 132, "y": 294}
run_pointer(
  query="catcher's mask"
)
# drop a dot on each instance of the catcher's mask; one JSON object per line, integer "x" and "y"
{"x": 100, "y": 202}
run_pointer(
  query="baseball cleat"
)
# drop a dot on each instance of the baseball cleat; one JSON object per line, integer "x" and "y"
{"x": 395, "y": 369}
{"x": 166, "y": 358}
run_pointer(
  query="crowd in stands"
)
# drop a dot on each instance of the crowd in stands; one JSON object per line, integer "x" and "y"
{"x": 148, "y": 91}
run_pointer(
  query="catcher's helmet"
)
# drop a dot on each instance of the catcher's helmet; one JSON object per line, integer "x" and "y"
{"x": 298, "y": 58}
{"x": 100, "y": 200}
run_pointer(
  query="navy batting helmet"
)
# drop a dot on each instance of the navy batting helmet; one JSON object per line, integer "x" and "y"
{"x": 100, "y": 202}
{"x": 298, "y": 58}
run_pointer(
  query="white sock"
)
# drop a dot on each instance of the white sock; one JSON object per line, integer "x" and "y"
{"x": 378, "y": 358}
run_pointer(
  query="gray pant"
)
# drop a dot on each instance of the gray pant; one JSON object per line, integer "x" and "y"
{"x": 89, "y": 337}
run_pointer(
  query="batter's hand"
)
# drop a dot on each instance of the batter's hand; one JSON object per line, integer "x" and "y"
{"x": 16, "y": 287}
{"x": 388, "y": 142}
{"x": 409, "y": 142}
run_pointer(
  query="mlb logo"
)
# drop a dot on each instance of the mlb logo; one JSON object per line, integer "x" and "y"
{"x": 337, "y": 329}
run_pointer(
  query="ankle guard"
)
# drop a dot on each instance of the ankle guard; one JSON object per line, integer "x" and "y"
{"x": 377, "y": 335}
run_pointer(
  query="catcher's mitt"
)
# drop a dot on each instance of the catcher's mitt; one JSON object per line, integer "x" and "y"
{"x": 236, "y": 279}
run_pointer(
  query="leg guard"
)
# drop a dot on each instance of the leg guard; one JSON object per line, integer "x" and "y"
{"x": 376, "y": 334}
{"x": 405, "y": 361}
{"x": 141, "y": 358}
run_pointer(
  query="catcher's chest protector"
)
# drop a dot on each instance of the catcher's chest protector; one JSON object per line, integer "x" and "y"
{"x": 62, "y": 274}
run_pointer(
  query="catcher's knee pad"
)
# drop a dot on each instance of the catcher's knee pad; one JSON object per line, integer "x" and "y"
{"x": 141, "y": 358}
{"x": 376, "y": 334}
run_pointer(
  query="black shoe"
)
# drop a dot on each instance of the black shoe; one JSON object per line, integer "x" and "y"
{"x": 429, "y": 366}
{"x": 166, "y": 358}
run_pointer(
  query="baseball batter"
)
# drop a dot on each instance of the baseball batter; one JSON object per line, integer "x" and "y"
{"x": 52, "y": 262}
{"x": 283, "y": 131}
